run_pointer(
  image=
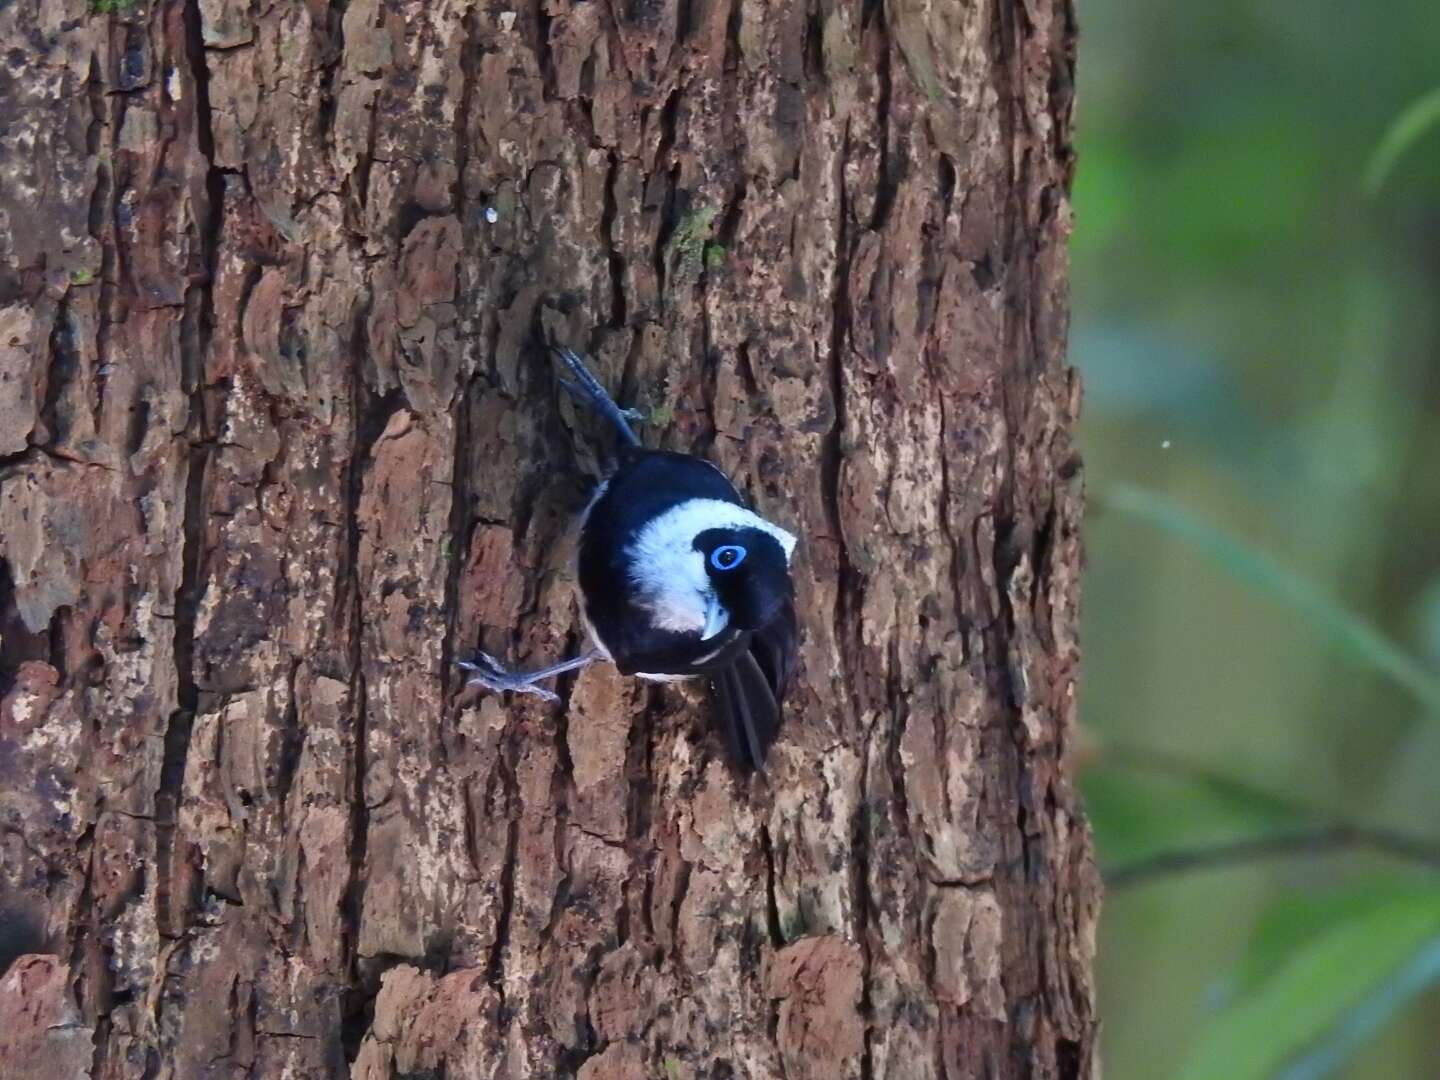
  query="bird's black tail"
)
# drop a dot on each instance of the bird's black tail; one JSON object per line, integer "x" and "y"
{"x": 749, "y": 691}
{"x": 748, "y": 712}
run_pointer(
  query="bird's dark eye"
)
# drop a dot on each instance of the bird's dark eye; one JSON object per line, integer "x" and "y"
{"x": 727, "y": 556}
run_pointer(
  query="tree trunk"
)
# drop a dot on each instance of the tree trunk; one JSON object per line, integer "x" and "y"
{"x": 278, "y": 446}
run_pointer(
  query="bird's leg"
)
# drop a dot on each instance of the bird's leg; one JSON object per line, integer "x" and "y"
{"x": 586, "y": 387}
{"x": 488, "y": 672}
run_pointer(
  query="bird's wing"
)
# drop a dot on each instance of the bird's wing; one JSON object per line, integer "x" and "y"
{"x": 774, "y": 647}
{"x": 748, "y": 692}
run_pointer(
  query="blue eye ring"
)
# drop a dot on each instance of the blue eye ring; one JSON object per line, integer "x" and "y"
{"x": 727, "y": 556}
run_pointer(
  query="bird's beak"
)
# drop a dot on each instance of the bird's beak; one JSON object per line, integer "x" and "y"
{"x": 716, "y": 617}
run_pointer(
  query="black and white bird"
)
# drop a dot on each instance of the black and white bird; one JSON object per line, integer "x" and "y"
{"x": 679, "y": 579}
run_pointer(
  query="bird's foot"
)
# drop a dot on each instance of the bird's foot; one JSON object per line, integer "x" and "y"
{"x": 635, "y": 416}
{"x": 587, "y": 388}
{"x": 488, "y": 672}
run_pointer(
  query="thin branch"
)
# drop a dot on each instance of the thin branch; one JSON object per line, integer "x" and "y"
{"x": 1326, "y": 838}
{"x": 1164, "y": 763}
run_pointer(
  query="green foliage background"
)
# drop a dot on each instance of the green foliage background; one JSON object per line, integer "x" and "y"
{"x": 1257, "y": 315}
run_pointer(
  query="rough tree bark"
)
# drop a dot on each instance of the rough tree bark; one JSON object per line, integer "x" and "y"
{"x": 276, "y": 446}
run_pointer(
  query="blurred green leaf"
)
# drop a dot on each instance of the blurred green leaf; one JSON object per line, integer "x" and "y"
{"x": 1141, "y": 814}
{"x": 1105, "y": 187}
{"x": 1413, "y": 123}
{"x": 1427, "y": 615}
{"x": 1311, "y": 979}
{"x": 1344, "y": 629}
{"x": 1297, "y": 919}
{"x": 1226, "y": 189}
{"x": 1343, "y": 1043}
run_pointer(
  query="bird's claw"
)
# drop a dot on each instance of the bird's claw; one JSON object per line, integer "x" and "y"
{"x": 488, "y": 672}
{"x": 635, "y": 416}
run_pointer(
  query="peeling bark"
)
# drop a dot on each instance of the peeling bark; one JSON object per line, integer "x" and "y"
{"x": 276, "y": 446}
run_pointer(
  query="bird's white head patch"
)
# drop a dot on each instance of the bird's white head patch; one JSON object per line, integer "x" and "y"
{"x": 669, "y": 575}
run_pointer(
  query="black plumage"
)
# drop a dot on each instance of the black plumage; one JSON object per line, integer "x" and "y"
{"x": 679, "y": 578}
{"x": 749, "y": 662}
